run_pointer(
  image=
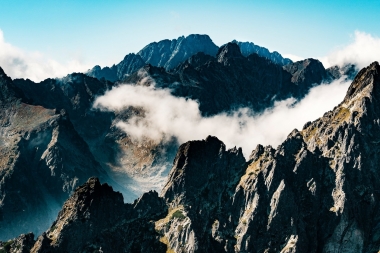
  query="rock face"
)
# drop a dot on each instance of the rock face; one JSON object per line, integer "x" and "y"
{"x": 95, "y": 219}
{"x": 248, "y": 48}
{"x": 169, "y": 53}
{"x": 316, "y": 192}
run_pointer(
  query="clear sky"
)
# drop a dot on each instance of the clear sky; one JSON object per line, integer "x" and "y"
{"x": 103, "y": 32}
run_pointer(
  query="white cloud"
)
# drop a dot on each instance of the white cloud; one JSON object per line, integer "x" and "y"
{"x": 166, "y": 115}
{"x": 362, "y": 51}
{"x": 293, "y": 57}
{"x": 33, "y": 65}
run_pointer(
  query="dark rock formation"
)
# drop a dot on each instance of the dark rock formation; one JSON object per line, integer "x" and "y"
{"x": 248, "y": 48}
{"x": 95, "y": 219}
{"x": 306, "y": 74}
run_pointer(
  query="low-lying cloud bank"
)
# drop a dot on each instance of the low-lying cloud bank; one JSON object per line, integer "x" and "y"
{"x": 362, "y": 51}
{"x": 167, "y": 116}
{"x": 33, "y": 65}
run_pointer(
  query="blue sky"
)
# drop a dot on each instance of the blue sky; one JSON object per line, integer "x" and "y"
{"x": 102, "y": 32}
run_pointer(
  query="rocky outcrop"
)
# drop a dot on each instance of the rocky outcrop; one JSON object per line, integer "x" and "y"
{"x": 95, "y": 219}
{"x": 248, "y": 48}
{"x": 21, "y": 244}
{"x": 306, "y": 74}
{"x": 202, "y": 179}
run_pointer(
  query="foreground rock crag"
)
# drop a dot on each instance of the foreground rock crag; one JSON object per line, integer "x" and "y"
{"x": 95, "y": 219}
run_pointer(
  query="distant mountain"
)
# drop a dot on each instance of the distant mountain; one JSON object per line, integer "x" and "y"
{"x": 248, "y": 48}
{"x": 170, "y": 53}
{"x": 230, "y": 80}
{"x": 128, "y": 65}
{"x": 316, "y": 192}
{"x": 349, "y": 70}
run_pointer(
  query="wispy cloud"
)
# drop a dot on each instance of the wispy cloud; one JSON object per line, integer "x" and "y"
{"x": 18, "y": 63}
{"x": 293, "y": 57}
{"x": 363, "y": 50}
{"x": 166, "y": 116}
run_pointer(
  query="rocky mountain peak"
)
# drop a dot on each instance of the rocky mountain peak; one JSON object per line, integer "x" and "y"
{"x": 197, "y": 163}
{"x": 248, "y": 48}
{"x": 299, "y": 66}
{"x": 2, "y": 71}
{"x": 170, "y": 53}
{"x": 228, "y": 51}
{"x": 8, "y": 91}
{"x": 366, "y": 81}
{"x": 82, "y": 217}
{"x": 95, "y": 219}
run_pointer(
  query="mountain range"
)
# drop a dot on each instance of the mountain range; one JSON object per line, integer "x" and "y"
{"x": 316, "y": 192}
{"x": 170, "y": 53}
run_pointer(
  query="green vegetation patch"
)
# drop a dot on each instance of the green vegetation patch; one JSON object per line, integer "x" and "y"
{"x": 6, "y": 247}
{"x": 178, "y": 214}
